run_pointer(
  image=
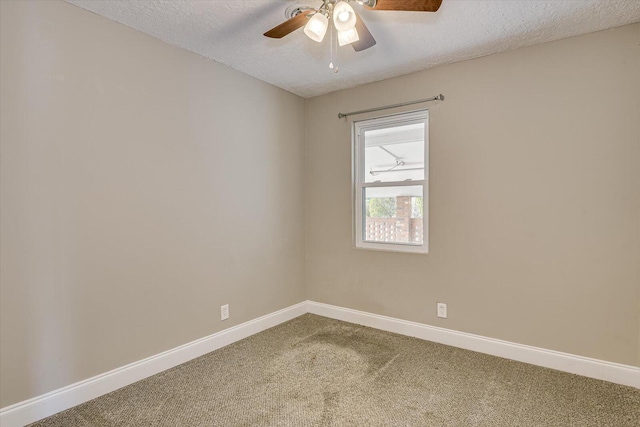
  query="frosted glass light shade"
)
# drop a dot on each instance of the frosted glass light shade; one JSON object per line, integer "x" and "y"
{"x": 344, "y": 18}
{"x": 316, "y": 28}
{"x": 349, "y": 36}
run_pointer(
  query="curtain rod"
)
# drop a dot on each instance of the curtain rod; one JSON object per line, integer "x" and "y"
{"x": 386, "y": 107}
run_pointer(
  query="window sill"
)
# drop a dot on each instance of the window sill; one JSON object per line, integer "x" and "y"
{"x": 393, "y": 247}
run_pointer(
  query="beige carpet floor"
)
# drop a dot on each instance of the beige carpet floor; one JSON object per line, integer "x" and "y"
{"x": 314, "y": 371}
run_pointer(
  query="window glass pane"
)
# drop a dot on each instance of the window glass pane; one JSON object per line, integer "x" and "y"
{"x": 394, "y": 153}
{"x": 393, "y": 214}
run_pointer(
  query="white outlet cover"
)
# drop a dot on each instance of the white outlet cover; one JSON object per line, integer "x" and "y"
{"x": 224, "y": 312}
{"x": 441, "y": 310}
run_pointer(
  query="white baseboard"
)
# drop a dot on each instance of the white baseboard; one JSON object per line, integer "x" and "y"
{"x": 593, "y": 368}
{"x": 39, "y": 407}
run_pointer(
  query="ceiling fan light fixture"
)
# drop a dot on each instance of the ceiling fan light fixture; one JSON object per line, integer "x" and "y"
{"x": 348, "y": 37}
{"x": 316, "y": 28}
{"x": 344, "y": 17}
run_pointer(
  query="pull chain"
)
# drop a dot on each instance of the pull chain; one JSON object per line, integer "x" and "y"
{"x": 332, "y": 40}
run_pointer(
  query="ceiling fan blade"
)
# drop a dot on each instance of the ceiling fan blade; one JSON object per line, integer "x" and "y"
{"x": 289, "y": 25}
{"x": 409, "y": 5}
{"x": 366, "y": 39}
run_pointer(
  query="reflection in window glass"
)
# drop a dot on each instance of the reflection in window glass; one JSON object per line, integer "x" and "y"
{"x": 394, "y": 154}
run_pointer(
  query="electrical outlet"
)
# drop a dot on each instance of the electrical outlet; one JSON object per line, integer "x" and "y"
{"x": 441, "y": 310}
{"x": 224, "y": 312}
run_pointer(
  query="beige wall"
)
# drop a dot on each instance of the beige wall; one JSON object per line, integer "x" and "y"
{"x": 535, "y": 199}
{"x": 142, "y": 187}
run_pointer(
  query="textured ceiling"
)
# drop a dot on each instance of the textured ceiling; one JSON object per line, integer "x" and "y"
{"x": 230, "y": 32}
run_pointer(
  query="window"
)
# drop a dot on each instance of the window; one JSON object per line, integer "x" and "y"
{"x": 390, "y": 189}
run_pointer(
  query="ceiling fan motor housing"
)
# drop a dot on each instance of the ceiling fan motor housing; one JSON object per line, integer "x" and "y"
{"x": 298, "y": 8}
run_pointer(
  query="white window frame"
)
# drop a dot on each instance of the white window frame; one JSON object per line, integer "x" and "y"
{"x": 359, "y": 184}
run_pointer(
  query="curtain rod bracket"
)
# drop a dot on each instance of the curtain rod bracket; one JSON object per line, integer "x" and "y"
{"x": 386, "y": 107}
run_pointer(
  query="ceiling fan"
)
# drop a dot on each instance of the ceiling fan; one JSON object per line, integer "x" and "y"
{"x": 351, "y": 29}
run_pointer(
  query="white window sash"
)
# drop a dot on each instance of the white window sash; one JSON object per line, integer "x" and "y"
{"x": 359, "y": 183}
